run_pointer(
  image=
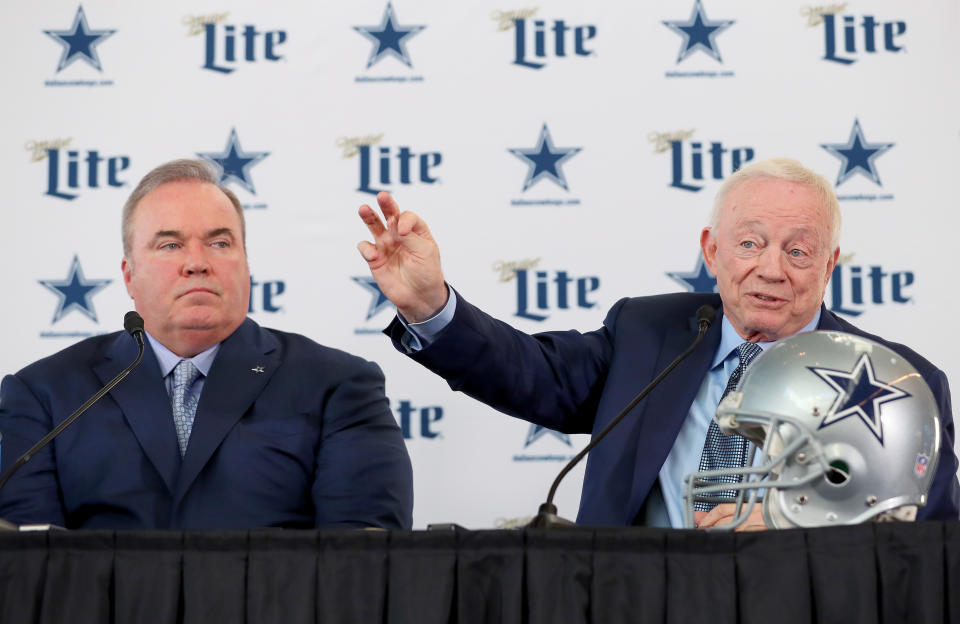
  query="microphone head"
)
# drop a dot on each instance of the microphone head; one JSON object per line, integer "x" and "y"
{"x": 132, "y": 322}
{"x": 706, "y": 314}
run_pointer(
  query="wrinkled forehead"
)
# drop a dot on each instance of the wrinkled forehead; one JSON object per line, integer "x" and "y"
{"x": 773, "y": 203}
{"x": 187, "y": 200}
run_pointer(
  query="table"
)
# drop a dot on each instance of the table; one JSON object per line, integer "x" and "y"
{"x": 871, "y": 573}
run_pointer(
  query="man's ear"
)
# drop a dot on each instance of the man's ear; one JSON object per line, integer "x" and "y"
{"x": 126, "y": 267}
{"x": 831, "y": 265}
{"x": 708, "y": 245}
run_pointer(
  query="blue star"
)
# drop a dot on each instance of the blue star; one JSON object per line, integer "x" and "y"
{"x": 379, "y": 300}
{"x": 74, "y": 292}
{"x": 388, "y": 38}
{"x": 79, "y": 42}
{"x": 858, "y": 393}
{"x": 234, "y": 163}
{"x": 699, "y": 280}
{"x": 856, "y": 155}
{"x": 545, "y": 160}
{"x": 537, "y": 431}
{"x": 698, "y": 32}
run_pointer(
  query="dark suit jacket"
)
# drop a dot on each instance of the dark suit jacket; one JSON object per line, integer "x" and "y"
{"x": 577, "y": 383}
{"x": 308, "y": 442}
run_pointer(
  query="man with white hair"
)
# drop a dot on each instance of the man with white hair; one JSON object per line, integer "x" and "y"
{"x": 772, "y": 243}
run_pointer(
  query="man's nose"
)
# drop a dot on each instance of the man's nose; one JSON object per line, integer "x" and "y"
{"x": 196, "y": 260}
{"x": 770, "y": 265}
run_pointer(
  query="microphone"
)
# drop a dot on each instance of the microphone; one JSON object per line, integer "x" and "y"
{"x": 133, "y": 324}
{"x": 547, "y": 513}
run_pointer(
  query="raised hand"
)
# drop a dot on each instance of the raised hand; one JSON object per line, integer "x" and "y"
{"x": 404, "y": 259}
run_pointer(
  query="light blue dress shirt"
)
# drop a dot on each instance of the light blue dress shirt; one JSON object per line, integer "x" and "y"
{"x": 168, "y": 360}
{"x": 666, "y": 509}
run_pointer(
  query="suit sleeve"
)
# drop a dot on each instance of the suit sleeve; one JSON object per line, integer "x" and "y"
{"x": 363, "y": 473}
{"x": 33, "y": 494}
{"x": 943, "y": 502}
{"x": 554, "y": 379}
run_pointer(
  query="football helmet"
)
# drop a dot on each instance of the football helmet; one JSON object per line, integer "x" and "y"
{"x": 846, "y": 430}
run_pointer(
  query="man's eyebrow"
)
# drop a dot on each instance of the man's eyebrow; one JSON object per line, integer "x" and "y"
{"x": 167, "y": 234}
{"x": 762, "y": 225}
{"x": 222, "y": 231}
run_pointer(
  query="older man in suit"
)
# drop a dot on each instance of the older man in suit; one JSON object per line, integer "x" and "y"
{"x": 225, "y": 424}
{"x": 772, "y": 243}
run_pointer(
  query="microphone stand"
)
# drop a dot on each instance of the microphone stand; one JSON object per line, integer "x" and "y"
{"x": 136, "y": 330}
{"x": 547, "y": 513}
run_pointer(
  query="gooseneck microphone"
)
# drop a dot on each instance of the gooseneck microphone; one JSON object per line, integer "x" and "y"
{"x": 547, "y": 514}
{"x": 133, "y": 323}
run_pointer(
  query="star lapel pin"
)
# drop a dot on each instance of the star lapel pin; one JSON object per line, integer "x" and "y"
{"x": 257, "y": 369}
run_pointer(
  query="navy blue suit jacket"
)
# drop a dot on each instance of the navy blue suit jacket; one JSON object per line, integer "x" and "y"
{"x": 308, "y": 442}
{"x": 577, "y": 383}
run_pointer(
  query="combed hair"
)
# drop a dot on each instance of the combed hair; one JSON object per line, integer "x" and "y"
{"x": 174, "y": 171}
{"x": 791, "y": 171}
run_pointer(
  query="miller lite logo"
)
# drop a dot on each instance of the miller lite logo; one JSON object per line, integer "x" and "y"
{"x": 541, "y": 291}
{"x": 264, "y": 295}
{"x": 854, "y": 288}
{"x": 539, "y": 41}
{"x": 695, "y": 161}
{"x": 419, "y": 422}
{"x": 384, "y": 166}
{"x": 846, "y": 36}
{"x": 227, "y": 46}
{"x": 72, "y": 170}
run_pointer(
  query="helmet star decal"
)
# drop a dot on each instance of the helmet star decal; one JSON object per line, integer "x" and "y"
{"x": 858, "y": 393}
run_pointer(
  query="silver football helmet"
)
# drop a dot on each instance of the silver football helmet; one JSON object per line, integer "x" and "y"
{"x": 847, "y": 430}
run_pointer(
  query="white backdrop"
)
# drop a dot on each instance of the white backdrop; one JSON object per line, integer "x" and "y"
{"x": 580, "y": 143}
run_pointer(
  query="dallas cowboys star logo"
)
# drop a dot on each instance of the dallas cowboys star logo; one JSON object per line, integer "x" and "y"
{"x": 234, "y": 163}
{"x": 74, "y": 292}
{"x": 699, "y": 280}
{"x": 79, "y": 42}
{"x": 859, "y": 393}
{"x": 537, "y": 431}
{"x": 379, "y": 300}
{"x": 856, "y": 155}
{"x": 544, "y": 160}
{"x": 698, "y": 33}
{"x": 388, "y": 38}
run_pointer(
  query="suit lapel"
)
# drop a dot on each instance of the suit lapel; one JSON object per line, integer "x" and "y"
{"x": 232, "y": 386}
{"x": 145, "y": 404}
{"x": 827, "y": 320}
{"x": 668, "y": 405}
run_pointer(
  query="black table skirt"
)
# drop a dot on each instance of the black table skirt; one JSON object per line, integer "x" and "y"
{"x": 873, "y": 573}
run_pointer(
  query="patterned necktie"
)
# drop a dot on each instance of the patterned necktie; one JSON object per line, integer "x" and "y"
{"x": 184, "y": 404}
{"x": 726, "y": 451}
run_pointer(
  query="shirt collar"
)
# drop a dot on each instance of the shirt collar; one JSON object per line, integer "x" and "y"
{"x": 730, "y": 339}
{"x": 167, "y": 359}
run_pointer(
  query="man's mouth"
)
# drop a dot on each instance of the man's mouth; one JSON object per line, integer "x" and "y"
{"x": 192, "y": 291}
{"x": 767, "y": 298}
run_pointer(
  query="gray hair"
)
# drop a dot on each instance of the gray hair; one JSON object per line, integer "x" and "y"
{"x": 791, "y": 171}
{"x": 174, "y": 171}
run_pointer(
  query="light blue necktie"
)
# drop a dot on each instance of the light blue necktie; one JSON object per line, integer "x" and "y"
{"x": 184, "y": 404}
{"x": 726, "y": 451}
